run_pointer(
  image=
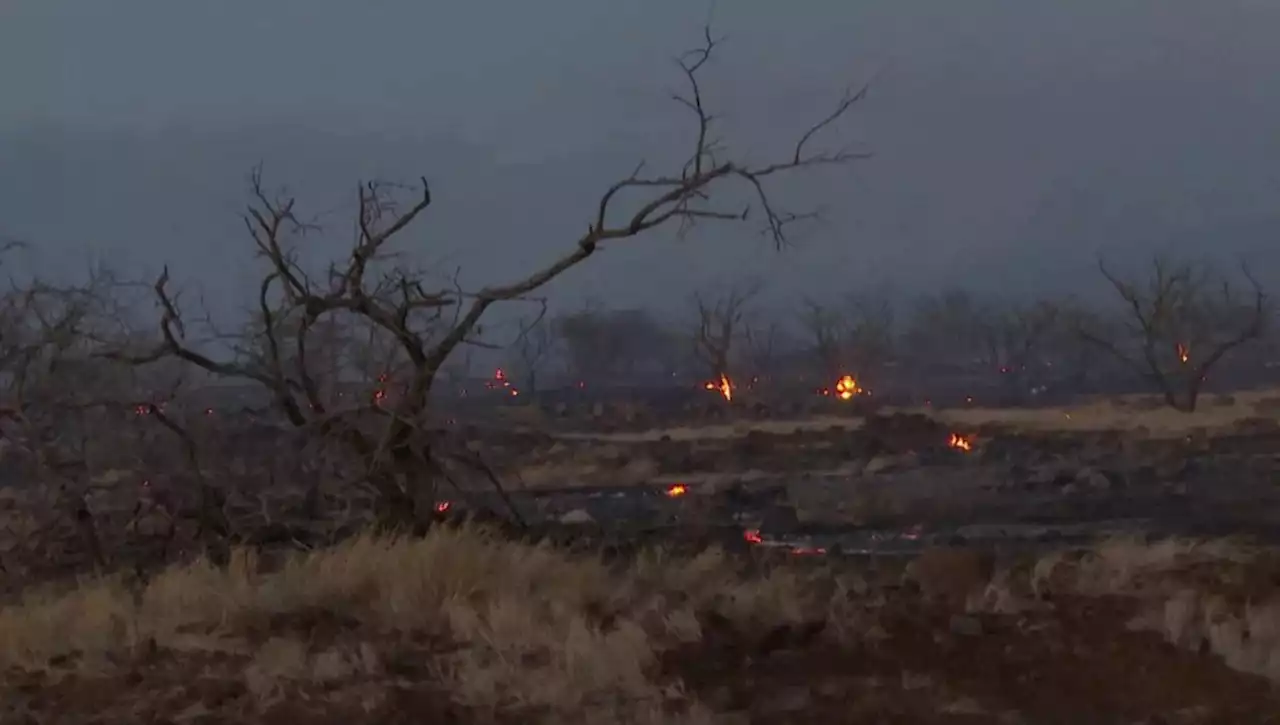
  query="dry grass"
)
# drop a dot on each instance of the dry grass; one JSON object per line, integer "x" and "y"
{"x": 1126, "y": 413}
{"x": 1216, "y": 595}
{"x": 523, "y": 629}
{"x": 519, "y": 633}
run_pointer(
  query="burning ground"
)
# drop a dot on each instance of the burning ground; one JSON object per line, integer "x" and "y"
{"x": 894, "y": 568}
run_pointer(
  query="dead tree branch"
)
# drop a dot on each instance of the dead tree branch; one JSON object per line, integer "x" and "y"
{"x": 1185, "y": 321}
{"x": 425, "y": 324}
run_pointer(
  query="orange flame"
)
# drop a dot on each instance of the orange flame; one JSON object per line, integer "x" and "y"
{"x": 960, "y": 443}
{"x": 677, "y": 490}
{"x": 724, "y": 386}
{"x": 1184, "y": 352}
{"x": 847, "y": 387}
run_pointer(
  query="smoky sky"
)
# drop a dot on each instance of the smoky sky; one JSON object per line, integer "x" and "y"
{"x": 1013, "y": 141}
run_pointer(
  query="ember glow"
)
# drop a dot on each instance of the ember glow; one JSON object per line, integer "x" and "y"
{"x": 752, "y": 536}
{"x": 808, "y": 550}
{"x": 1184, "y": 352}
{"x": 443, "y": 506}
{"x": 724, "y": 386}
{"x": 847, "y": 387}
{"x": 960, "y": 443}
{"x": 677, "y": 490}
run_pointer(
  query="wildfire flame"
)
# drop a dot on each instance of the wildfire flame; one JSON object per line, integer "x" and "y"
{"x": 847, "y": 387}
{"x": 724, "y": 386}
{"x": 1184, "y": 353}
{"x": 677, "y": 490}
{"x": 960, "y": 443}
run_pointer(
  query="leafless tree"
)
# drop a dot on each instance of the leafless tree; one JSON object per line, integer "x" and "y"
{"x": 869, "y": 332}
{"x": 1013, "y": 338}
{"x": 854, "y": 337}
{"x": 607, "y": 345}
{"x": 949, "y": 328}
{"x": 762, "y": 339}
{"x": 825, "y": 329}
{"x": 427, "y": 323}
{"x": 532, "y": 346}
{"x": 720, "y": 325}
{"x": 1182, "y": 323}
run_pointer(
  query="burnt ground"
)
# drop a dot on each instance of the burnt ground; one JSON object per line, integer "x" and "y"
{"x": 897, "y": 482}
{"x": 880, "y": 492}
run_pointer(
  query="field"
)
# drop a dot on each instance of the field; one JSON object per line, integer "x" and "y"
{"x": 1108, "y": 562}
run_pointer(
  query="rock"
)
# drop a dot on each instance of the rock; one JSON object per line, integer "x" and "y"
{"x": 578, "y": 516}
{"x": 965, "y": 626}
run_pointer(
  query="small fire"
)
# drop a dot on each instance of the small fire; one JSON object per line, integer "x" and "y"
{"x": 443, "y": 506}
{"x": 960, "y": 443}
{"x": 677, "y": 490}
{"x": 847, "y": 387}
{"x": 724, "y": 386}
{"x": 1184, "y": 352}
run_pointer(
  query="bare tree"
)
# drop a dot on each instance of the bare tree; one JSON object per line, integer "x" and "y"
{"x": 869, "y": 333}
{"x": 532, "y": 346}
{"x": 1181, "y": 324}
{"x": 426, "y": 323}
{"x": 761, "y": 340}
{"x": 607, "y": 345}
{"x": 720, "y": 324}
{"x": 825, "y": 329}
{"x": 1013, "y": 340}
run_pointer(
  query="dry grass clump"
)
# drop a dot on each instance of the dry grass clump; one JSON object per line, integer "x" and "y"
{"x": 1216, "y": 595}
{"x": 503, "y": 627}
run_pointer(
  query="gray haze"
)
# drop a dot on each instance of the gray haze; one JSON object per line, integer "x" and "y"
{"x": 1014, "y": 140}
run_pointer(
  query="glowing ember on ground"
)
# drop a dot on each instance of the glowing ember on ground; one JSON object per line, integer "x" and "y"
{"x": 961, "y": 443}
{"x": 847, "y": 387}
{"x": 808, "y": 550}
{"x": 677, "y": 490}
